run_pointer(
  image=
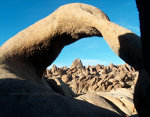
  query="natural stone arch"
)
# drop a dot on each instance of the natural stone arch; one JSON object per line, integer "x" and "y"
{"x": 25, "y": 56}
{"x": 62, "y": 28}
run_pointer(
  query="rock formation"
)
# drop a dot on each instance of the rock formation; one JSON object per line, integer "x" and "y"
{"x": 82, "y": 79}
{"x": 25, "y": 57}
{"x": 112, "y": 85}
{"x": 77, "y": 64}
{"x": 142, "y": 89}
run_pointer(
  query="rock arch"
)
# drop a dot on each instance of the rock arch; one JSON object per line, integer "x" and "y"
{"x": 25, "y": 56}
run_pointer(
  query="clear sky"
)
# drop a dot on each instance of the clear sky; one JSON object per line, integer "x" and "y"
{"x": 16, "y": 15}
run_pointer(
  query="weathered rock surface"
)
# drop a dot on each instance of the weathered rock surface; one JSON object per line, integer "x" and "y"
{"x": 77, "y": 64}
{"x": 83, "y": 79}
{"x": 119, "y": 100}
{"x": 110, "y": 87}
{"x": 25, "y": 56}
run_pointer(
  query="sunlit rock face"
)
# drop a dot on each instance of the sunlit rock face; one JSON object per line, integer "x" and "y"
{"x": 103, "y": 86}
{"x": 82, "y": 79}
{"x": 24, "y": 58}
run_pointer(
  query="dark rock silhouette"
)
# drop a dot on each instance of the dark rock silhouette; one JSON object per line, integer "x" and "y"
{"x": 142, "y": 89}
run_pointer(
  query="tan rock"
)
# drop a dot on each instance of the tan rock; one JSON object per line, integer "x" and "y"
{"x": 98, "y": 67}
{"x": 54, "y": 69}
{"x": 77, "y": 64}
{"x": 96, "y": 100}
{"x": 25, "y": 56}
{"x": 122, "y": 98}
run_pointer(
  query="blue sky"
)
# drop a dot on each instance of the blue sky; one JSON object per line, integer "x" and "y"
{"x": 16, "y": 15}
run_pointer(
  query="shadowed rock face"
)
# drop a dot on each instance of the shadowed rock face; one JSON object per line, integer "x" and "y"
{"x": 142, "y": 89}
{"x": 25, "y": 56}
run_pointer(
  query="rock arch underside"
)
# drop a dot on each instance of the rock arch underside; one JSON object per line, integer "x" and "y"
{"x": 24, "y": 58}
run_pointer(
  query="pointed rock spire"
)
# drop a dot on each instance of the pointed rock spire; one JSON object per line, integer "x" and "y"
{"x": 77, "y": 64}
{"x": 54, "y": 68}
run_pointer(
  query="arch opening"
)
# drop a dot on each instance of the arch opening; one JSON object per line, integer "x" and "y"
{"x": 91, "y": 51}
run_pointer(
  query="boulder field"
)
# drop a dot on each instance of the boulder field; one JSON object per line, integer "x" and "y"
{"x": 112, "y": 84}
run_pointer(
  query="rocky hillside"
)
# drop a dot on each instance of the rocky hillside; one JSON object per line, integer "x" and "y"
{"x": 100, "y": 78}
